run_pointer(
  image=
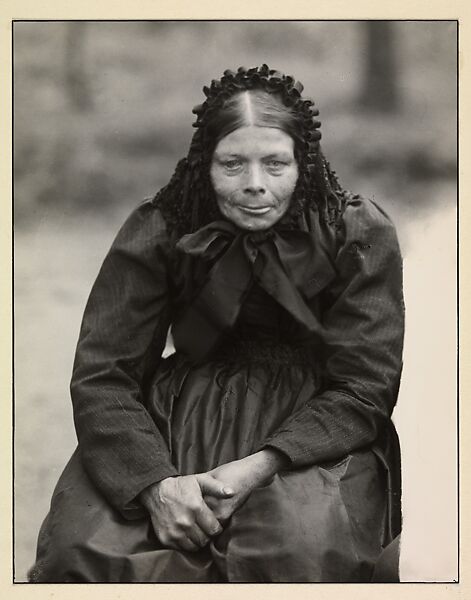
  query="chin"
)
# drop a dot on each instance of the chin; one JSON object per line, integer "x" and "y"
{"x": 254, "y": 224}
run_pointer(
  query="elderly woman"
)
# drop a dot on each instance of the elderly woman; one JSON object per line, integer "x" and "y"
{"x": 262, "y": 450}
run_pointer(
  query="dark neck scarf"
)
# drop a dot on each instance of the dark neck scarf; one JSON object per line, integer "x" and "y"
{"x": 287, "y": 264}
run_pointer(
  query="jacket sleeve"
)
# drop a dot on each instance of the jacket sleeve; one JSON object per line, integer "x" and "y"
{"x": 363, "y": 321}
{"x": 124, "y": 328}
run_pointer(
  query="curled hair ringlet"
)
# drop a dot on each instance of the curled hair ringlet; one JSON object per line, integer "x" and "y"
{"x": 188, "y": 201}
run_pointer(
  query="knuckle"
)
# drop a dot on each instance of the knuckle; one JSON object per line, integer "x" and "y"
{"x": 164, "y": 539}
{"x": 174, "y": 534}
{"x": 195, "y": 504}
{"x": 183, "y": 522}
{"x": 184, "y": 542}
{"x": 178, "y": 538}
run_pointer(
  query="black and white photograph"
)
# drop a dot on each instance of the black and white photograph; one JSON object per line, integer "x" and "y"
{"x": 235, "y": 301}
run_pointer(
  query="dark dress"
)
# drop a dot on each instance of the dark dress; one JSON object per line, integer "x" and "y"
{"x": 297, "y": 342}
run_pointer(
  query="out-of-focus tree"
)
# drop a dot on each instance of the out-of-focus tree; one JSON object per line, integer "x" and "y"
{"x": 78, "y": 157}
{"x": 76, "y": 79}
{"x": 380, "y": 89}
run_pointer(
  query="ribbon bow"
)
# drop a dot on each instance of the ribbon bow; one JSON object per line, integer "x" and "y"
{"x": 284, "y": 263}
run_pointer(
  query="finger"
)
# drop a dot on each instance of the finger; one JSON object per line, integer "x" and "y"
{"x": 177, "y": 541}
{"x": 197, "y": 536}
{"x": 184, "y": 543}
{"x": 211, "y": 502}
{"x": 210, "y": 485}
{"x": 207, "y": 520}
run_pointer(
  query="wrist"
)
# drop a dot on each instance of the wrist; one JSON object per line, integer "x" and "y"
{"x": 149, "y": 493}
{"x": 268, "y": 462}
{"x": 276, "y": 459}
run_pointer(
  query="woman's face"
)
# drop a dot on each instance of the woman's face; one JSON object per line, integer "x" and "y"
{"x": 254, "y": 173}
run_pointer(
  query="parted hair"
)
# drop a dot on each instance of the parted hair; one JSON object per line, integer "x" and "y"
{"x": 188, "y": 201}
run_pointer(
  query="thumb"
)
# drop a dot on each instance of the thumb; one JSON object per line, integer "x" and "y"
{"x": 212, "y": 486}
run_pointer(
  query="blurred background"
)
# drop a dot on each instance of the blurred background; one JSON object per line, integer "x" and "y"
{"x": 102, "y": 112}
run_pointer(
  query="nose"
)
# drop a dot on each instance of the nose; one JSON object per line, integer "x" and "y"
{"x": 255, "y": 181}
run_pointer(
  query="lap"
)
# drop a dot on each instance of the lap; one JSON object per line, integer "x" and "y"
{"x": 84, "y": 539}
{"x": 320, "y": 523}
{"x": 314, "y": 524}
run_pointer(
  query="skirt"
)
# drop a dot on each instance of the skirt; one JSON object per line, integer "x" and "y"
{"x": 321, "y": 523}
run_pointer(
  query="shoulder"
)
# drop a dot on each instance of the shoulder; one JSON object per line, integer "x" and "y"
{"x": 145, "y": 218}
{"x": 367, "y": 241}
{"x": 366, "y": 224}
{"x": 363, "y": 216}
{"x": 145, "y": 226}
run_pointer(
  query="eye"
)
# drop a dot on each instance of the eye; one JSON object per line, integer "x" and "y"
{"x": 275, "y": 164}
{"x": 232, "y": 164}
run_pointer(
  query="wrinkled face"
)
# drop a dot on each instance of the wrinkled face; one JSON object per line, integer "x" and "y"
{"x": 254, "y": 173}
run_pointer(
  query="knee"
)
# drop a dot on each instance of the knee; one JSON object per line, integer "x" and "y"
{"x": 387, "y": 567}
{"x": 57, "y": 554}
{"x": 59, "y": 551}
{"x": 56, "y": 565}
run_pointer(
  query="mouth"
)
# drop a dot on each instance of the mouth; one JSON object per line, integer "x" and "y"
{"x": 254, "y": 210}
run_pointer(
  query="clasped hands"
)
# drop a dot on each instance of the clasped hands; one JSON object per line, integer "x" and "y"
{"x": 188, "y": 510}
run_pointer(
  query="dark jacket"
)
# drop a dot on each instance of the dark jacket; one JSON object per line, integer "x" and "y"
{"x": 355, "y": 290}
